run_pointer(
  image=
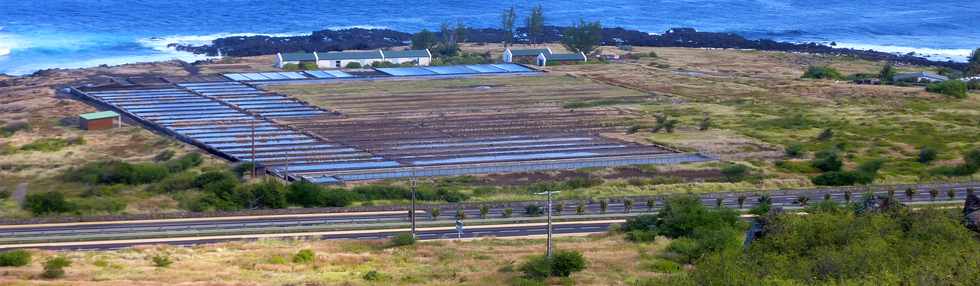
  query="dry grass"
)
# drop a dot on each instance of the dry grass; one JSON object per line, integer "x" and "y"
{"x": 612, "y": 261}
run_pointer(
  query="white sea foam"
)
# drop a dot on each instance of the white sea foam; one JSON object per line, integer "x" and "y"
{"x": 956, "y": 55}
{"x": 367, "y": 27}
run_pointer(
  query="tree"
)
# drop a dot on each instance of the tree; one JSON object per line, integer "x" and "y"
{"x": 603, "y": 206}
{"x": 460, "y": 214}
{"x": 951, "y": 193}
{"x": 953, "y": 88}
{"x": 583, "y": 37}
{"x": 909, "y": 193}
{"x": 741, "y": 200}
{"x": 933, "y": 193}
{"x": 719, "y": 202}
{"x": 927, "y": 155}
{"x": 507, "y": 19}
{"x": 827, "y": 161}
{"x": 803, "y": 200}
{"x": 627, "y": 205}
{"x": 887, "y": 73}
{"x": 827, "y": 197}
{"x": 794, "y": 150}
{"x": 974, "y": 63}
{"x": 664, "y": 123}
{"x": 424, "y": 39}
{"x": 15, "y": 258}
{"x": 651, "y": 203}
{"x": 535, "y": 24}
{"x": 826, "y": 134}
{"x": 580, "y": 209}
{"x": 563, "y": 264}
{"x": 847, "y": 196}
{"x": 484, "y": 210}
{"x": 55, "y": 267}
{"x": 508, "y": 212}
{"x": 533, "y": 210}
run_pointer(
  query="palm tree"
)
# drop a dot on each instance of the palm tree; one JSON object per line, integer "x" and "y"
{"x": 951, "y": 193}
{"x": 826, "y": 196}
{"x": 741, "y": 200}
{"x": 435, "y": 213}
{"x": 847, "y": 196}
{"x": 603, "y": 206}
{"x": 933, "y": 193}
{"x": 580, "y": 209}
{"x": 508, "y": 212}
{"x": 803, "y": 200}
{"x": 651, "y": 203}
{"x": 484, "y": 210}
{"x": 719, "y": 202}
{"x": 460, "y": 214}
{"x": 627, "y": 205}
{"x": 909, "y": 193}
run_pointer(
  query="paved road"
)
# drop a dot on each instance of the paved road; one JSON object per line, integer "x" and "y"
{"x": 787, "y": 198}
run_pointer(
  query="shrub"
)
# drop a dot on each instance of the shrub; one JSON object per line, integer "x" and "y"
{"x": 55, "y": 267}
{"x": 304, "y": 256}
{"x": 970, "y": 165}
{"x": 826, "y": 134}
{"x": 13, "y": 127}
{"x": 564, "y": 263}
{"x": 175, "y": 183}
{"x": 353, "y": 65}
{"x": 533, "y": 210}
{"x": 100, "y": 205}
{"x": 164, "y": 155}
{"x": 51, "y": 144}
{"x": 308, "y": 66}
{"x": 582, "y": 182}
{"x": 242, "y": 168}
{"x": 48, "y": 203}
{"x": 640, "y": 223}
{"x": 827, "y": 161}
{"x": 187, "y": 161}
{"x": 822, "y": 72}
{"x": 537, "y": 267}
{"x": 794, "y": 150}
{"x": 160, "y": 260}
{"x": 373, "y": 276}
{"x": 307, "y": 194}
{"x": 641, "y": 236}
{"x": 508, "y": 212}
{"x": 927, "y": 155}
{"x": 663, "y": 266}
{"x": 15, "y": 258}
{"x": 4, "y": 194}
{"x": 211, "y": 177}
{"x": 953, "y": 88}
{"x": 734, "y": 172}
{"x": 290, "y": 67}
{"x": 836, "y": 178}
{"x": 402, "y": 239}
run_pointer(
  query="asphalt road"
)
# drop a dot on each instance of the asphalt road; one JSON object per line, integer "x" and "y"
{"x": 779, "y": 199}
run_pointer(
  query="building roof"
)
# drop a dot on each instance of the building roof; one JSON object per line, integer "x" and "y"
{"x": 530, "y": 52}
{"x": 298, "y": 57}
{"x": 99, "y": 115}
{"x": 565, "y": 57}
{"x": 407, "y": 54}
{"x": 336, "y": 56}
{"x": 916, "y": 75}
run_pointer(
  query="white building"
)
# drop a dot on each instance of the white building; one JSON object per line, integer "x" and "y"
{"x": 543, "y": 58}
{"x": 524, "y": 55}
{"x": 362, "y": 58}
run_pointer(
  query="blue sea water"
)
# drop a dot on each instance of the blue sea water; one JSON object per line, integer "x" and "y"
{"x": 39, "y": 34}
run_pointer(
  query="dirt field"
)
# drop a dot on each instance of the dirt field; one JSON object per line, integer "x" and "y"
{"x": 612, "y": 261}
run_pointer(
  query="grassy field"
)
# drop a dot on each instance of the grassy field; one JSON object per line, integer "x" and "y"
{"x": 612, "y": 261}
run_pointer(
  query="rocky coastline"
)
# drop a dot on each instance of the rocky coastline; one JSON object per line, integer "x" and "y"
{"x": 352, "y": 39}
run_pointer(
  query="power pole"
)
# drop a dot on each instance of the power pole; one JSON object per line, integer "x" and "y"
{"x": 253, "y": 148}
{"x": 550, "y": 243}
{"x": 411, "y": 214}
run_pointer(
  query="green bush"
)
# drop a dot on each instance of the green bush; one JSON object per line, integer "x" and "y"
{"x": 162, "y": 260}
{"x": 15, "y": 258}
{"x": 564, "y": 263}
{"x": 308, "y": 66}
{"x": 13, "y": 127}
{"x": 373, "y": 276}
{"x": 308, "y": 194}
{"x": 827, "y": 161}
{"x": 100, "y": 205}
{"x": 533, "y": 210}
{"x": 402, "y": 239}
{"x": 4, "y": 194}
{"x": 537, "y": 267}
{"x": 48, "y": 203}
{"x": 735, "y": 172}
{"x": 51, "y": 144}
{"x": 353, "y": 65}
{"x": 175, "y": 183}
{"x": 822, "y": 72}
{"x": 663, "y": 266}
{"x": 970, "y": 165}
{"x": 927, "y": 155}
{"x": 290, "y": 67}
{"x": 117, "y": 172}
{"x": 55, "y": 267}
{"x": 794, "y": 150}
{"x": 187, "y": 161}
{"x": 304, "y": 256}
{"x": 952, "y": 88}
{"x": 164, "y": 155}
{"x": 243, "y": 168}
{"x": 641, "y": 236}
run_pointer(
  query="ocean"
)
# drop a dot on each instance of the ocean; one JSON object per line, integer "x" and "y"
{"x": 45, "y": 34}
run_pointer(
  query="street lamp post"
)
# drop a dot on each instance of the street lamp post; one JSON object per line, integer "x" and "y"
{"x": 550, "y": 243}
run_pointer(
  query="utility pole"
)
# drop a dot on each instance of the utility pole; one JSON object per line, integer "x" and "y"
{"x": 411, "y": 214}
{"x": 550, "y": 243}
{"x": 253, "y": 148}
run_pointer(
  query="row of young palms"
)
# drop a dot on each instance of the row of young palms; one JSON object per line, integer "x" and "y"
{"x": 628, "y": 204}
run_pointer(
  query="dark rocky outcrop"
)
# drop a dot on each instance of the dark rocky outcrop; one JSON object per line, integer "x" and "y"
{"x": 355, "y": 39}
{"x": 971, "y": 212}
